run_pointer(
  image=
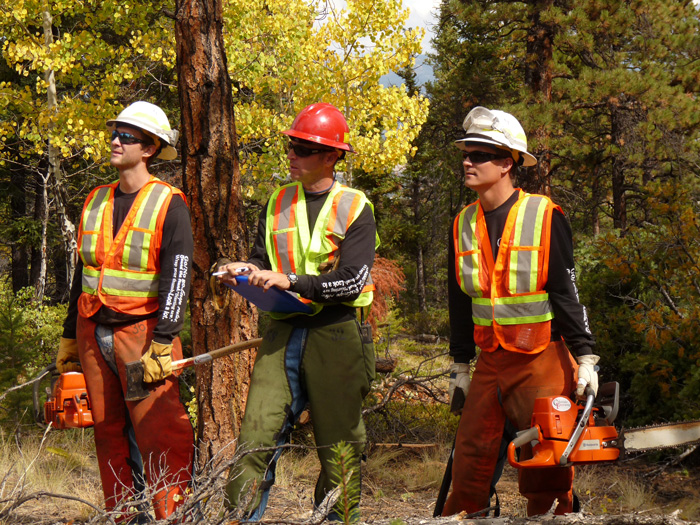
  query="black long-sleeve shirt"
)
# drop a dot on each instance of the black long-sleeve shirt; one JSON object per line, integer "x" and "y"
{"x": 570, "y": 319}
{"x": 343, "y": 284}
{"x": 175, "y": 274}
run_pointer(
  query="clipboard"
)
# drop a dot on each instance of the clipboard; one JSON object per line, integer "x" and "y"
{"x": 273, "y": 300}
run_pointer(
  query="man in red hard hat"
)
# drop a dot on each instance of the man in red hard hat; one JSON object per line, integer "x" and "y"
{"x": 512, "y": 293}
{"x": 316, "y": 238}
{"x": 128, "y": 303}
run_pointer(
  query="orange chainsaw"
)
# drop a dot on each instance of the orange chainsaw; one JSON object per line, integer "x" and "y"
{"x": 565, "y": 433}
{"x": 67, "y": 404}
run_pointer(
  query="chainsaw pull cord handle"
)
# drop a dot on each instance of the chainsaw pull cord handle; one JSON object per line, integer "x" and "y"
{"x": 580, "y": 426}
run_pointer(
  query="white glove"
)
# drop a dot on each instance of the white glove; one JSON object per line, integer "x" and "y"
{"x": 587, "y": 375}
{"x": 459, "y": 379}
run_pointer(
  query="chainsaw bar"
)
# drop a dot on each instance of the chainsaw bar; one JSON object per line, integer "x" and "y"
{"x": 661, "y": 436}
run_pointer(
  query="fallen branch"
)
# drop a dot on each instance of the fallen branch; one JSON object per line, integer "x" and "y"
{"x": 17, "y": 387}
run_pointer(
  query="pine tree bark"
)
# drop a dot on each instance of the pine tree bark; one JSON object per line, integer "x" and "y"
{"x": 211, "y": 180}
{"x": 538, "y": 77}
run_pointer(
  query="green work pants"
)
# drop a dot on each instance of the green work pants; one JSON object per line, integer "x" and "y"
{"x": 331, "y": 369}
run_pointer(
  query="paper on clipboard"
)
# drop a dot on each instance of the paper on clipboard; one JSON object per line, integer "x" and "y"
{"x": 273, "y": 300}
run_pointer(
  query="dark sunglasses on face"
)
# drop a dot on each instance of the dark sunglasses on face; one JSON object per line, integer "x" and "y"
{"x": 126, "y": 138}
{"x": 303, "y": 151}
{"x": 479, "y": 157}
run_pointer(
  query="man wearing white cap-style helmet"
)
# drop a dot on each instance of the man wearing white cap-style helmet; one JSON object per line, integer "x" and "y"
{"x": 128, "y": 303}
{"x": 512, "y": 293}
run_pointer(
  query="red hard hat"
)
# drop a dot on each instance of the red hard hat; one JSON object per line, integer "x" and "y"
{"x": 321, "y": 123}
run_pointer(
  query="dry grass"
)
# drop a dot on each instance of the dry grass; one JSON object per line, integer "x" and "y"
{"x": 620, "y": 488}
{"x": 59, "y": 462}
{"x": 296, "y": 467}
{"x": 402, "y": 470}
{"x": 427, "y": 359}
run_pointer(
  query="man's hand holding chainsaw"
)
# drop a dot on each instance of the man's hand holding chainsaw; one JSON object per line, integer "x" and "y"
{"x": 68, "y": 359}
{"x": 587, "y": 375}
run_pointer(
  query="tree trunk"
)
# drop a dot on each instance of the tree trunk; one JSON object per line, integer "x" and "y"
{"x": 619, "y": 186}
{"x": 538, "y": 77}
{"x": 40, "y": 281}
{"x": 53, "y": 174}
{"x": 18, "y": 208}
{"x": 41, "y": 214}
{"x": 211, "y": 181}
{"x": 420, "y": 279}
{"x": 420, "y": 267}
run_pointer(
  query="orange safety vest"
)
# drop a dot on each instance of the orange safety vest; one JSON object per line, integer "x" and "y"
{"x": 123, "y": 272}
{"x": 509, "y": 305}
{"x": 291, "y": 247}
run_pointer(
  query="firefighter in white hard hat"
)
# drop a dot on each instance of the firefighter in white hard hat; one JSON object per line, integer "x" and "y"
{"x": 128, "y": 303}
{"x": 316, "y": 238}
{"x": 512, "y": 294}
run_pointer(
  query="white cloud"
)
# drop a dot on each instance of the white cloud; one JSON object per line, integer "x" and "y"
{"x": 423, "y": 14}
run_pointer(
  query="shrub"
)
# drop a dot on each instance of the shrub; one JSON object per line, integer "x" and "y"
{"x": 29, "y": 335}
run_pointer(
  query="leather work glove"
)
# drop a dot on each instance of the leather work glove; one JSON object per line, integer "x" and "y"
{"x": 67, "y": 359}
{"x": 587, "y": 375}
{"x": 459, "y": 386}
{"x": 157, "y": 362}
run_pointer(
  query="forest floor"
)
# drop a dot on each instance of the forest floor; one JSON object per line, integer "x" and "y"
{"x": 406, "y": 489}
{"x": 399, "y": 486}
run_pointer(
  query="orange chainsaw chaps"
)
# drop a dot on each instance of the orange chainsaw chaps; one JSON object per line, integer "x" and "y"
{"x": 554, "y": 420}
{"x": 69, "y": 404}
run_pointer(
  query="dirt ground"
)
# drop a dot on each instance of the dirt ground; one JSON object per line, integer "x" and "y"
{"x": 632, "y": 488}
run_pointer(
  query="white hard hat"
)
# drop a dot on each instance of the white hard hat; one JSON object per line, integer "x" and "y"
{"x": 153, "y": 121}
{"x": 496, "y": 128}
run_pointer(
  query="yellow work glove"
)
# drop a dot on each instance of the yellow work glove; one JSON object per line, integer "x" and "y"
{"x": 68, "y": 359}
{"x": 587, "y": 375}
{"x": 459, "y": 386}
{"x": 157, "y": 362}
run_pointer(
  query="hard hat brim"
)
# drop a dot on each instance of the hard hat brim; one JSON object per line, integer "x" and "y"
{"x": 319, "y": 140}
{"x": 528, "y": 159}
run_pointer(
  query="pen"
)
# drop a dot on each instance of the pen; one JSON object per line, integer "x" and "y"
{"x": 237, "y": 270}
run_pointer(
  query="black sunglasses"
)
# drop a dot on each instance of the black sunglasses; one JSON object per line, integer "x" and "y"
{"x": 303, "y": 151}
{"x": 479, "y": 157}
{"x": 127, "y": 138}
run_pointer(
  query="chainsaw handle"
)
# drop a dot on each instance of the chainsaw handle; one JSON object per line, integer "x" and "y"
{"x": 580, "y": 426}
{"x": 522, "y": 438}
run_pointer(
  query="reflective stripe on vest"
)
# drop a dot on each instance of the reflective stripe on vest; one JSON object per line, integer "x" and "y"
{"x": 284, "y": 225}
{"x": 523, "y": 309}
{"x": 525, "y": 261}
{"x": 122, "y": 273}
{"x": 511, "y": 292}
{"x": 467, "y": 251}
{"x": 92, "y": 224}
{"x": 140, "y": 236}
{"x": 482, "y": 311}
{"x": 292, "y": 247}
{"x": 523, "y": 264}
